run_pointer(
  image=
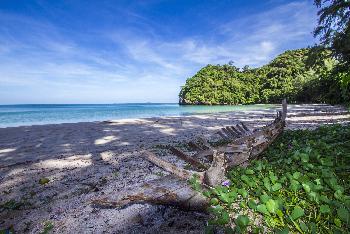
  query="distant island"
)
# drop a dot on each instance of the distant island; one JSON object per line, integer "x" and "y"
{"x": 308, "y": 75}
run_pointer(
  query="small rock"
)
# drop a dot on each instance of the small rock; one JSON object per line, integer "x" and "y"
{"x": 44, "y": 180}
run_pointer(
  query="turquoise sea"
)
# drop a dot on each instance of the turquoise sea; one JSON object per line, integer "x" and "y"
{"x": 24, "y": 115}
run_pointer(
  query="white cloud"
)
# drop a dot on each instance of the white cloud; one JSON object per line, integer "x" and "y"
{"x": 45, "y": 63}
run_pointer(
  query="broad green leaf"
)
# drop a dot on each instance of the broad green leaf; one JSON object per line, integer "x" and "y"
{"x": 276, "y": 187}
{"x": 324, "y": 198}
{"x": 257, "y": 230}
{"x": 242, "y": 221}
{"x": 272, "y": 206}
{"x": 332, "y": 182}
{"x": 294, "y": 185}
{"x": 224, "y": 197}
{"x": 224, "y": 218}
{"x": 228, "y": 197}
{"x": 272, "y": 177}
{"x": 343, "y": 214}
{"x": 326, "y": 162}
{"x": 216, "y": 209}
{"x": 338, "y": 195}
{"x": 264, "y": 198}
{"x": 207, "y": 193}
{"x": 296, "y": 175}
{"x": 296, "y": 155}
{"x": 258, "y": 165}
{"x": 297, "y": 212}
{"x": 252, "y": 204}
{"x": 243, "y": 192}
{"x": 318, "y": 187}
{"x": 283, "y": 179}
{"x": 312, "y": 228}
{"x": 233, "y": 195}
{"x": 326, "y": 173}
{"x": 247, "y": 180}
{"x": 303, "y": 226}
{"x": 318, "y": 181}
{"x": 262, "y": 209}
{"x": 337, "y": 222}
{"x": 289, "y": 176}
{"x": 304, "y": 157}
{"x": 267, "y": 183}
{"x": 306, "y": 187}
{"x": 249, "y": 172}
{"x": 325, "y": 209}
{"x": 313, "y": 196}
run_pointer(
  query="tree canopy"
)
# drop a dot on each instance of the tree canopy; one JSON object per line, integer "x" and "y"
{"x": 334, "y": 27}
{"x": 300, "y": 75}
{"x": 318, "y": 74}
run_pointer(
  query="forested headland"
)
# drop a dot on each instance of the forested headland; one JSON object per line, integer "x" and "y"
{"x": 303, "y": 75}
{"x": 318, "y": 74}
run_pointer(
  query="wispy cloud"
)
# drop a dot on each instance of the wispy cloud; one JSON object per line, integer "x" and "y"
{"x": 40, "y": 60}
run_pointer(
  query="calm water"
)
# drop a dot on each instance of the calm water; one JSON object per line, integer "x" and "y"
{"x": 22, "y": 115}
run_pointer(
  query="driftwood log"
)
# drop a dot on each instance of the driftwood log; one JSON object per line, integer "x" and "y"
{"x": 241, "y": 145}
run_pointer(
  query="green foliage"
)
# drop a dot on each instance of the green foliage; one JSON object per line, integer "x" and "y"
{"x": 219, "y": 84}
{"x": 299, "y": 186}
{"x": 303, "y": 75}
{"x": 334, "y": 27}
{"x": 194, "y": 183}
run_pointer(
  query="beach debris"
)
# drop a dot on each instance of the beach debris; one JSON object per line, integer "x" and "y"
{"x": 182, "y": 187}
{"x": 44, "y": 180}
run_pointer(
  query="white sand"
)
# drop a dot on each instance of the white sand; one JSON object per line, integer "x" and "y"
{"x": 84, "y": 160}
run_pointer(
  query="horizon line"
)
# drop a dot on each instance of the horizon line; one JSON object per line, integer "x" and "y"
{"x": 116, "y": 103}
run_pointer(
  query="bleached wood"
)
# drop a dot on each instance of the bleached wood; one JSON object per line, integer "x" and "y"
{"x": 179, "y": 172}
{"x": 194, "y": 146}
{"x": 223, "y": 136}
{"x": 174, "y": 190}
{"x": 239, "y": 133}
{"x": 187, "y": 158}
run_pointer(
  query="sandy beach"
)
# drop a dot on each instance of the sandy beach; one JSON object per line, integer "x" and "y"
{"x": 85, "y": 160}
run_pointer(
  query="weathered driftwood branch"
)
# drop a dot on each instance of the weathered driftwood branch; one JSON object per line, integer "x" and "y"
{"x": 191, "y": 160}
{"x": 243, "y": 145}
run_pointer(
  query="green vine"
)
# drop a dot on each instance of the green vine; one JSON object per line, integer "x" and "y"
{"x": 300, "y": 186}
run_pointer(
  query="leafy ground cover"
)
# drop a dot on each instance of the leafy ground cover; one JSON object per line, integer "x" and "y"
{"x": 300, "y": 185}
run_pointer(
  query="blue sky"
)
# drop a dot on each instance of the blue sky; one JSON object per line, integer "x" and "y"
{"x": 82, "y": 51}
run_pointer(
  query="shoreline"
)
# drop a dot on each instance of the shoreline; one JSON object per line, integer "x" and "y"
{"x": 181, "y": 114}
{"x": 272, "y": 106}
{"x": 84, "y": 160}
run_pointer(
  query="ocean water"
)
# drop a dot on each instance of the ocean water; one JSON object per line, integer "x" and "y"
{"x": 24, "y": 115}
